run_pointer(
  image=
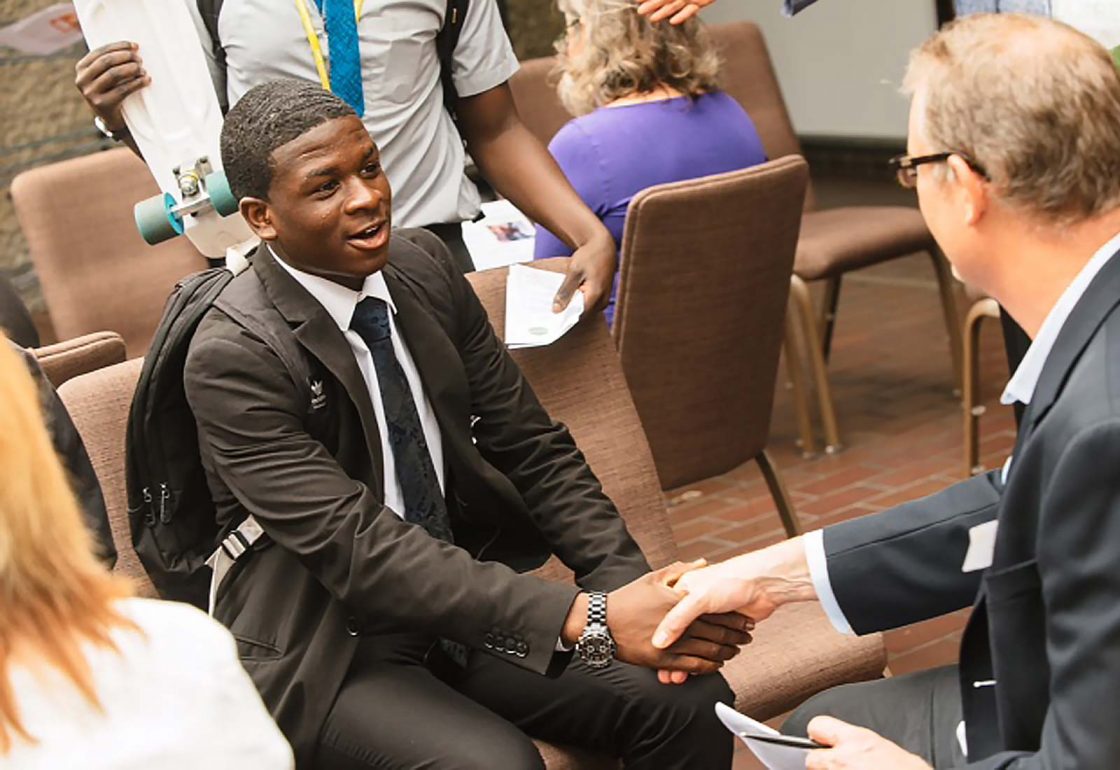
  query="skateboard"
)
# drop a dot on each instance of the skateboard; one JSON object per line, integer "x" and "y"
{"x": 175, "y": 121}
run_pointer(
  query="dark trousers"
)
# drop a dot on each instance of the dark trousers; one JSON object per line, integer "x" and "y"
{"x": 452, "y": 236}
{"x": 403, "y": 706}
{"x": 920, "y": 712}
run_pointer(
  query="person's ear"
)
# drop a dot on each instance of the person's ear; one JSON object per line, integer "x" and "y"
{"x": 258, "y": 214}
{"x": 971, "y": 189}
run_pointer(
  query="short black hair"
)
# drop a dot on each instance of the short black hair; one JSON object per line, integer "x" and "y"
{"x": 268, "y": 116}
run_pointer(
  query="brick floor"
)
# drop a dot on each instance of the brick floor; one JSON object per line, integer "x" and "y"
{"x": 902, "y": 429}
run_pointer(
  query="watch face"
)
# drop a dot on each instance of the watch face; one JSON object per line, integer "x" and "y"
{"x": 596, "y": 648}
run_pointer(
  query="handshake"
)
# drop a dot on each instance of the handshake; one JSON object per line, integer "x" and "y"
{"x": 690, "y": 618}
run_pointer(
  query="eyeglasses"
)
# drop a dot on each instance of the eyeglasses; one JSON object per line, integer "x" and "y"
{"x": 906, "y": 166}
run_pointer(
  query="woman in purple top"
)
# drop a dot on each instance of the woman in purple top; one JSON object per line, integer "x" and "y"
{"x": 649, "y": 112}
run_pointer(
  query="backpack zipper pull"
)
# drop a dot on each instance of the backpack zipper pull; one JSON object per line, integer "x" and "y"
{"x": 149, "y": 516}
{"x": 164, "y": 496}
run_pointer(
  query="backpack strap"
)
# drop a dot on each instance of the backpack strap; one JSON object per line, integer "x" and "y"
{"x": 235, "y": 545}
{"x": 446, "y": 40}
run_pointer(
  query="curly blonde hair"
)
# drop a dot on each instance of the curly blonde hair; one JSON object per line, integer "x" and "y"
{"x": 624, "y": 55}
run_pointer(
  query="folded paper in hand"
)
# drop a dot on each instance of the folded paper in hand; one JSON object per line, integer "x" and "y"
{"x": 773, "y": 756}
{"x": 530, "y": 321}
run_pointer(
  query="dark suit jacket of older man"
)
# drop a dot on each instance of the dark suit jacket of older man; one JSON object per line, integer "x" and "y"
{"x": 1040, "y": 658}
{"x": 304, "y": 459}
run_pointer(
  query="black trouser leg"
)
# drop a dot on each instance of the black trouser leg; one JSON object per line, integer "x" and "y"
{"x": 620, "y": 710}
{"x": 393, "y": 712}
{"x": 920, "y": 712}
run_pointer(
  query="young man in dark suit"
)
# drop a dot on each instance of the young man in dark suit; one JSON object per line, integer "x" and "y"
{"x": 1014, "y": 148}
{"x": 405, "y": 478}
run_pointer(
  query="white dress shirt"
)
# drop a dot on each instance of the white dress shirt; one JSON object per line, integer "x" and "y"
{"x": 172, "y": 695}
{"x": 1020, "y": 388}
{"x": 339, "y": 302}
{"x": 420, "y": 147}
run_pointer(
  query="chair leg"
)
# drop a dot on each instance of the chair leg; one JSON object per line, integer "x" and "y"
{"x": 803, "y": 302}
{"x": 794, "y": 363}
{"x": 773, "y": 478}
{"x": 828, "y": 314}
{"x": 946, "y": 285}
{"x": 972, "y": 409}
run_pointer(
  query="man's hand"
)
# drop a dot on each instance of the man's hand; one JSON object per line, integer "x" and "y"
{"x": 634, "y": 609}
{"x": 754, "y": 584}
{"x": 591, "y": 269}
{"x": 108, "y": 74}
{"x": 856, "y": 748}
{"x": 676, "y": 11}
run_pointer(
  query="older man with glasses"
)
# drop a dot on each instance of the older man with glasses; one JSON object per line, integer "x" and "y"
{"x": 1014, "y": 150}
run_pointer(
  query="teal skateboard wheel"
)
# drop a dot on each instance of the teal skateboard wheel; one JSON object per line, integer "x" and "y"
{"x": 155, "y": 220}
{"x": 221, "y": 197}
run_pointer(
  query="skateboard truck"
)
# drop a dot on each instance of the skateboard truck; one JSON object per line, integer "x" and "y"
{"x": 160, "y": 217}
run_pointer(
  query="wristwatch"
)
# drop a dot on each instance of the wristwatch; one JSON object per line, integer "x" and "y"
{"x": 596, "y": 645}
{"x": 116, "y": 136}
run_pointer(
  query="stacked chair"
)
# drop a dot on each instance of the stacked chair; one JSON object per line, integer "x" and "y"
{"x": 96, "y": 271}
{"x": 832, "y": 242}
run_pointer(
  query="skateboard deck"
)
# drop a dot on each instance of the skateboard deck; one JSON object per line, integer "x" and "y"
{"x": 175, "y": 121}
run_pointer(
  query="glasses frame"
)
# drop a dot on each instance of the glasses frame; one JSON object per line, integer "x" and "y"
{"x": 906, "y": 166}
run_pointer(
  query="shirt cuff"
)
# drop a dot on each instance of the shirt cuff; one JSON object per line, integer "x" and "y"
{"x": 561, "y": 647}
{"x": 818, "y": 571}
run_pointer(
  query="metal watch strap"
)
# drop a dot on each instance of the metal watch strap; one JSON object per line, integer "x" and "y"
{"x": 597, "y": 609}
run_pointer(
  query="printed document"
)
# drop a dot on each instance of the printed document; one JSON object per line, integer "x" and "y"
{"x": 773, "y": 756}
{"x": 530, "y": 321}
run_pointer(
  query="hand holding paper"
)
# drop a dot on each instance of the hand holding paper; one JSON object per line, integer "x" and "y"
{"x": 530, "y": 320}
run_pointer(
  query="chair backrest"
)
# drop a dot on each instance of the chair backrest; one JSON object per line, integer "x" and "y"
{"x": 66, "y": 360}
{"x": 95, "y": 269}
{"x": 98, "y": 403}
{"x": 699, "y": 319}
{"x": 579, "y": 381}
{"x": 746, "y": 74}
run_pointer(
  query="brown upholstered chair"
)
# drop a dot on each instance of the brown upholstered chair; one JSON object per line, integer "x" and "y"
{"x": 95, "y": 269}
{"x": 706, "y": 288}
{"x": 98, "y": 403}
{"x": 579, "y": 379}
{"x": 65, "y": 360}
{"x": 981, "y": 306}
{"x": 832, "y": 242}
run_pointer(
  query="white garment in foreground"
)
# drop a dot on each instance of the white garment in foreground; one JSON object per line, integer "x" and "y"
{"x": 174, "y": 697}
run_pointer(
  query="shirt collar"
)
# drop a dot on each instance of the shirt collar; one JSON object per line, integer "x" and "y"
{"x": 1021, "y": 386}
{"x": 336, "y": 299}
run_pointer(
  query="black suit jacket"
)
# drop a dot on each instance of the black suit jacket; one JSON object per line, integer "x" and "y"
{"x": 1046, "y": 614}
{"x": 303, "y": 457}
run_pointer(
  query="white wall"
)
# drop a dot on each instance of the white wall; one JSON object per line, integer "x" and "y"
{"x": 840, "y": 62}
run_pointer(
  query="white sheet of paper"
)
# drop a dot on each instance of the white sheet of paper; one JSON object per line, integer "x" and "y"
{"x": 530, "y": 321}
{"x": 48, "y": 30}
{"x": 773, "y": 756}
{"x": 504, "y": 236}
{"x": 981, "y": 546}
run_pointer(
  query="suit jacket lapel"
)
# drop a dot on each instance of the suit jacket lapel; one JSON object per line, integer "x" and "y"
{"x": 317, "y": 332}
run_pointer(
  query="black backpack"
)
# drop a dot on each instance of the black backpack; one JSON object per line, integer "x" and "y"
{"x": 446, "y": 40}
{"x": 170, "y": 511}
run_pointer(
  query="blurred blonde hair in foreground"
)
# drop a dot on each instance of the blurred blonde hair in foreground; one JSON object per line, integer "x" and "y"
{"x": 54, "y": 594}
